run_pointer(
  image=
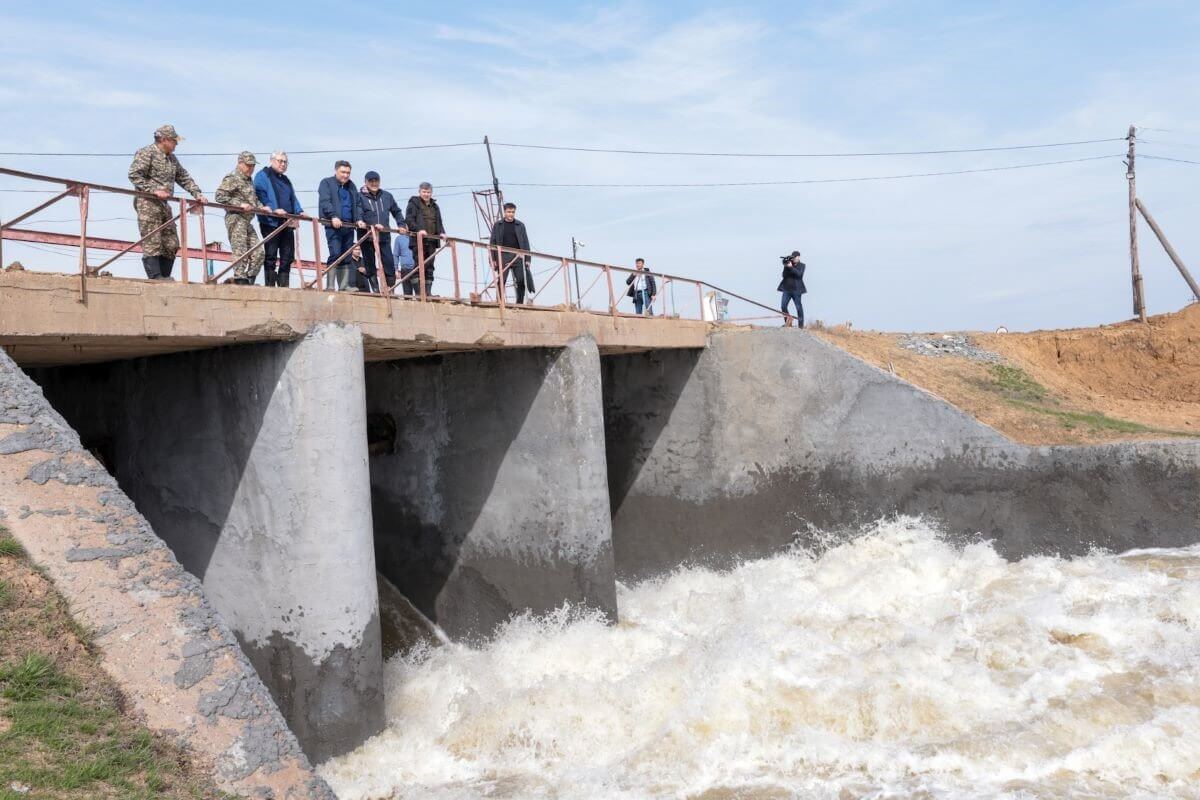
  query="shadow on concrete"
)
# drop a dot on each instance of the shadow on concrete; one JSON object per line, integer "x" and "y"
{"x": 419, "y": 535}
{"x": 175, "y": 431}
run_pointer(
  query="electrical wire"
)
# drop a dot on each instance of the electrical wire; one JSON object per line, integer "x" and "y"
{"x": 1168, "y": 158}
{"x": 805, "y": 155}
{"x": 809, "y": 180}
{"x": 389, "y": 148}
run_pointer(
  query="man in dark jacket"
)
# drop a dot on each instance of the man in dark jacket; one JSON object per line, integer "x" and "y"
{"x": 337, "y": 201}
{"x": 508, "y": 236}
{"x": 275, "y": 191}
{"x": 377, "y": 205}
{"x": 642, "y": 289}
{"x": 423, "y": 214}
{"x": 792, "y": 288}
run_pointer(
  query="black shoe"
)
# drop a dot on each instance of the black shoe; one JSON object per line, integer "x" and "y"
{"x": 242, "y": 281}
{"x": 165, "y": 265}
{"x": 150, "y": 263}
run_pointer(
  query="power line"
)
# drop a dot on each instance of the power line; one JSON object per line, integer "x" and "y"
{"x": 290, "y": 152}
{"x": 805, "y": 155}
{"x": 1168, "y": 158}
{"x": 807, "y": 181}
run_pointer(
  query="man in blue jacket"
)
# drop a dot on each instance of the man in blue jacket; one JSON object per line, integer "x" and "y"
{"x": 275, "y": 191}
{"x": 337, "y": 202}
{"x": 377, "y": 205}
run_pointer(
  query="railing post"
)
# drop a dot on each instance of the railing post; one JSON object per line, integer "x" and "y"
{"x": 566, "y": 283}
{"x": 296, "y": 254}
{"x": 612, "y": 299}
{"x": 203, "y": 247}
{"x": 499, "y": 270}
{"x": 421, "y": 262}
{"x": 319, "y": 282}
{"x": 454, "y": 264}
{"x": 183, "y": 237}
{"x": 700, "y": 292}
{"x": 83, "y": 224}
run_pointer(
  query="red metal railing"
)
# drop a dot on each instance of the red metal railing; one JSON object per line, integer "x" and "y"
{"x": 678, "y": 297}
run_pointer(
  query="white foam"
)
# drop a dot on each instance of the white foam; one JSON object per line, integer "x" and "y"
{"x": 895, "y": 665}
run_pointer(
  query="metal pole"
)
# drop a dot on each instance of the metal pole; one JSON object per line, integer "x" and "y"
{"x": 1139, "y": 298}
{"x": 183, "y": 238}
{"x": 83, "y": 221}
{"x": 575, "y": 258}
{"x": 1162, "y": 238}
{"x": 495, "y": 180}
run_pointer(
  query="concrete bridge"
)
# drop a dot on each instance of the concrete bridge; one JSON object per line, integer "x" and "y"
{"x": 289, "y": 447}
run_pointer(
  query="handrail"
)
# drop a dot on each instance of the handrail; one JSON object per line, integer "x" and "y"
{"x": 494, "y": 254}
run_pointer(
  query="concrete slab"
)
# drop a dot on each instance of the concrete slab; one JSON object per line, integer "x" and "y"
{"x": 43, "y": 322}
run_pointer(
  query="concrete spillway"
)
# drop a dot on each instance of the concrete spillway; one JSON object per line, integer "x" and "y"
{"x": 483, "y": 484}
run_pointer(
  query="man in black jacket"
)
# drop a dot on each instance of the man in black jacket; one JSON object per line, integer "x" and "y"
{"x": 423, "y": 214}
{"x": 642, "y": 289}
{"x": 377, "y": 205}
{"x": 508, "y": 236}
{"x": 792, "y": 288}
{"x": 338, "y": 202}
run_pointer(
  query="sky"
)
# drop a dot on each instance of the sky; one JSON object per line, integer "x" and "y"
{"x": 1036, "y": 247}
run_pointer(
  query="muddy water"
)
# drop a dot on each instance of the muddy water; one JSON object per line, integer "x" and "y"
{"x": 895, "y": 665}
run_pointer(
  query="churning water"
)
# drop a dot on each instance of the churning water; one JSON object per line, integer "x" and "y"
{"x": 895, "y": 665}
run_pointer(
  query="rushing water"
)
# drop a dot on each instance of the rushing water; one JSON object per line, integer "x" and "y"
{"x": 894, "y": 665}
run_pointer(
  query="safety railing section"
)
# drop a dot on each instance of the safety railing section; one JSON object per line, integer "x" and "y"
{"x": 479, "y": 273}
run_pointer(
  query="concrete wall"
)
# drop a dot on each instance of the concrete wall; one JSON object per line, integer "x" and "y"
{"x": 176, "y": 661}
{"x": 726, "y": 453}
{"x": 492, "y": 498}
{"x": 251, "y": 463}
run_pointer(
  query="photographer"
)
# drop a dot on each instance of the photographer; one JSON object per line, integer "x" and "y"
{"x": 792, "y": 287}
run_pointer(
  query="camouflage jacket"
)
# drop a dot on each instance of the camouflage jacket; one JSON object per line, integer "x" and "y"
{"x": 236, "y": 189}
{"x": 152, "y": 169}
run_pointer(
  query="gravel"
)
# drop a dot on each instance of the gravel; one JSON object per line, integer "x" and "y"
{"x": 948, "y": 344}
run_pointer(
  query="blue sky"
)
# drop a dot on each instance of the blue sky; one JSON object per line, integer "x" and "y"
{"x": 1031, "y": 248}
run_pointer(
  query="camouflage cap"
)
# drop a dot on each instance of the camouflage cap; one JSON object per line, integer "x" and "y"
{"x": 246, "y": 157}
{"x": 167, "y": 132}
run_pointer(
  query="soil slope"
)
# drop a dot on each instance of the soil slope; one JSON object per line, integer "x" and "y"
{"x": 1086, "y": 385}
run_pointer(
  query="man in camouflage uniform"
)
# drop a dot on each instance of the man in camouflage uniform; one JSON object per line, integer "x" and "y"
{"x": 155, "y": 170}
{"x": 237, "y": 189}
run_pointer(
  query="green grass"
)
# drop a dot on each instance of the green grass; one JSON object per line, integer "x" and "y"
{"x": 9, "y": 547}
{"x": 1097, "y": 422}
{"x": 1015, "y": 384}
{"x": 5, "y": 595}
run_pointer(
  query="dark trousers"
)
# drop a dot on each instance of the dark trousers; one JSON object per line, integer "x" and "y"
{"x": 794, "y": 297}
{"x": 389, "y": 263}
{"x": 339, "y": 240}
{"x": 642, "y": 299}
{"x": 412, "y": 286}
{"x": 522, "y": 278}
{"x": 278, "y": 255}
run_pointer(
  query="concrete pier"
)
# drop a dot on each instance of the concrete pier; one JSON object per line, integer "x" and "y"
{"x": 251, "y": 463}
{"x": 730, "y": 452}
{"x": 490, "y": 495}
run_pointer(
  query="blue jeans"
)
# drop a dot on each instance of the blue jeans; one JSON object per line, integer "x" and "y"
{"x": 642, "y": 299}
{"x": 339, "y": 240}
{"x": 795, "y": 297}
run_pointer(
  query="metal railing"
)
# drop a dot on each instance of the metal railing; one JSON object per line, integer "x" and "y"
{"x": 559, "y": 283}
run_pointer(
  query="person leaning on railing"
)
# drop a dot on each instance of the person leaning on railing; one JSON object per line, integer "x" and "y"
{"x": 423, "y": 214}
{"x": 275, "y": 191}
{"x": 237, "y": 189}
{"x": 155, "y": 170}
{"x": 338, "y": 203}
{"x": 378, "y": 208}
{"x": 642, "y": 289}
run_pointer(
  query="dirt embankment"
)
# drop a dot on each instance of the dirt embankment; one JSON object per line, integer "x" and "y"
{"x": 1086, "y": 385}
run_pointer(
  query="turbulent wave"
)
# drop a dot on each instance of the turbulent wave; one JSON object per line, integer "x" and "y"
{"x": 893, "y": 665}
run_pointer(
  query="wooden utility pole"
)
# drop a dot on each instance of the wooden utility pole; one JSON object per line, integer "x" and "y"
{"x": 495, "y": 182}
{"x": 1175, "y": 259}
{"x": 1139, "y": 298}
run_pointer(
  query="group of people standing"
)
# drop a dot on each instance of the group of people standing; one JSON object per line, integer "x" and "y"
{"x": 346, "y": 211}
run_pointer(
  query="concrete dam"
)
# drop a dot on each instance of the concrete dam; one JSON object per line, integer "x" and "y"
{"x": 224, "y": 480}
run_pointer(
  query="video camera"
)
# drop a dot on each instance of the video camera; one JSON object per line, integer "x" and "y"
{"x": 790, "y": 258}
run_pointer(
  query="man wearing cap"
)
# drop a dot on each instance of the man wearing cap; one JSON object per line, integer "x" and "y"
{"x": 237, "y": 189}
{"x": 377, "y": 206}
{"x": 155, "y": 170}
{"x": 423, "y": 214}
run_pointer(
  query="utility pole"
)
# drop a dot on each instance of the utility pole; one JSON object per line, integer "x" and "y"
{"x": 1139, "y": 298}
{"x": 495, "y": 181}
{"x": 575, "y": 245}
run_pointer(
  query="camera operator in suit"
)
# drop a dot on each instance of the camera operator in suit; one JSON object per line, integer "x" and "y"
{"x": 791, "y": 287}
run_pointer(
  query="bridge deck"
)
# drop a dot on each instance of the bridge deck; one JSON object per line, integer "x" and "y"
{"x": 44, "y": 323}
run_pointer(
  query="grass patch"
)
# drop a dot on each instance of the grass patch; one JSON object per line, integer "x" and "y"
{"x": 1096, "y": 422}
{"x": 10, "y": 547}
{"x": 1015, "y": 384}
{"x": 5, "y": 595}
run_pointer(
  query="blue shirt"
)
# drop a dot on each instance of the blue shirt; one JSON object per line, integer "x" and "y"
{"x": 347, "y": 201}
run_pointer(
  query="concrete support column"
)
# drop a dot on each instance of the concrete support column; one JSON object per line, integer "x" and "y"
{"x": 251, "y": 463}
{"x": 490, "y": 493}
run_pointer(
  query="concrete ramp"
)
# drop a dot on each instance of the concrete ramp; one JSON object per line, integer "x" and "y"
{"x": 728, "y": 453}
